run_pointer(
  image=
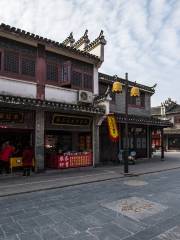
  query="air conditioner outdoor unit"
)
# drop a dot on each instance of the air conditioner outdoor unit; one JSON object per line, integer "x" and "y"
{"x": 85, "y": 96}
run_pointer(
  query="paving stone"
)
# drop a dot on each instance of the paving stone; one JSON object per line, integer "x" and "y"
{"x": 27, "y": 225}
{"x": 171, "y": 234}
{"x": 43, "y": 220}
{"x": 11, "y": 229}
{"x": 6, "y": 220}
{"x": 47, "y": 233}
{"x": 29, "y": 236}
{"x": 108, "y": 232}
{"x": 65, "y": 229}
{"x": 83, "y": 236}
{"x": 13, "y": 237}
{"x": 135, "y": 207}
{"x": 1, "y": 234}
{"x": 30, "y": 213}
{"x": 156, "y": 230}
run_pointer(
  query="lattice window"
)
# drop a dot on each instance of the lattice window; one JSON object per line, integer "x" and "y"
{"x": 66, "y": 72}
{"x": 52, "y": 72}
{"x": 28, "y": 67}
{"x": 11, "y": 62}
{"x": 88, "y": 82}
{"x": 77, "y": 79}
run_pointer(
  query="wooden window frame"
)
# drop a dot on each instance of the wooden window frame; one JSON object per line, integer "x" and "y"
{"x": 67, "y": 63}
{"x": 80, "y": 72}
{"x": 135, "y": 105}
{"x": 18, "y": 75}
{"x": 52, "y": 82}
{"x": 30, "y": 57}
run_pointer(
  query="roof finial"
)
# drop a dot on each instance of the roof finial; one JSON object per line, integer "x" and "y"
{"x": 69, "y": 40}
{"x": 86, "y": 33}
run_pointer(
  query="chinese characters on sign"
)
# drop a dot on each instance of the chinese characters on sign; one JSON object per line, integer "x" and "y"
{"x": 15, "y": 117}
{"x": 59, "y": 119}
{"x": 112, "y": 126}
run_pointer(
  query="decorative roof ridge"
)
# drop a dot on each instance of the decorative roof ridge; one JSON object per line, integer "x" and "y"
{"x": 109, "y": 78}
{"x": 34, "y": 37}
{"x": 69, "y": 40}
{"x": 99, "y": 40}
{"x": 83, "y": 39}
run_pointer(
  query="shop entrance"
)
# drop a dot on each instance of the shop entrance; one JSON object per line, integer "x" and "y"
{"x": 66, "y": 149}
{"x": 18, "y": 138}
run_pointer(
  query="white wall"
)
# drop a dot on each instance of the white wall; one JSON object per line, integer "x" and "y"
{"x": 9, "y": 86}
{"x": 96, "y": 81}
{"x": 96, "y": 51}
{"x": 59, "y": 94}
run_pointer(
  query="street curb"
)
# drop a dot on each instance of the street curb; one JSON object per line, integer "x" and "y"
{"x": 129, "y": 175}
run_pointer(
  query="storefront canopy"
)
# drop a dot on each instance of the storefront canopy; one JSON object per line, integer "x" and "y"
{"x": 140, "y": 120}
{"x": 30, "y": 103}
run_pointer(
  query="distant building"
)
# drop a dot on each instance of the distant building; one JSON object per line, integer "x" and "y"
{"x": 169, "y": 110}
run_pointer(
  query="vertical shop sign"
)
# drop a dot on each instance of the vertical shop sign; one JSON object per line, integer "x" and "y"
{"x": 112, "y": 126}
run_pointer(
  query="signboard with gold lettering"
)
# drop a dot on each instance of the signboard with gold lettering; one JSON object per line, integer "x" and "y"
{"x": 59, "y": 119}
{"x": 12, "y": 117}
{"x": 113, "y": 129}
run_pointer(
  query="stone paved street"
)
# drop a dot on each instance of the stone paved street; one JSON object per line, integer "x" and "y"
{"x": 137, "y": 208}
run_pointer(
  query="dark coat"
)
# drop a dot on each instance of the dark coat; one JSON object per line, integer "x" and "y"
{"x": 27, "y": 157}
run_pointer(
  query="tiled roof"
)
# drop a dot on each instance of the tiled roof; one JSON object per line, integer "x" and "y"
{"x": 31, "y": 36}
{"x": 110, "y": 79}
{"x": 173, "y": 110}
{"x": 48, "y": 105}
{"x": 141, "y": 120}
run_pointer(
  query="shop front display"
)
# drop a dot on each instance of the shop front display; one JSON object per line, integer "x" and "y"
{"x": 70, "y": 160}
{"x": 69, "y": 142}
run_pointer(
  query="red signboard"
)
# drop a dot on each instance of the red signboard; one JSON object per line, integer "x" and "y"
{"x": 72, "y": 160}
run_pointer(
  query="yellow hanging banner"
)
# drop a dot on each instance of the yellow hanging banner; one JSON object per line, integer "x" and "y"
{"x": 113, "y": 129}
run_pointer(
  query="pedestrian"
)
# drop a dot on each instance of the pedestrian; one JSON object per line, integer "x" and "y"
{"x": 27, "y": 160}
{"x": 6, "y": 153}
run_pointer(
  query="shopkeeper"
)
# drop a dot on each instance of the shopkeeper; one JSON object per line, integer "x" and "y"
{"x": 5, "y": 154}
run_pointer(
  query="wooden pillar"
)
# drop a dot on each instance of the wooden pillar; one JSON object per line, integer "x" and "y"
{"x": 95, "y": 141}
{"x": 41, "y": 72}
{"x": 162, "y": 144}
{"x": 39, "y": 140}
{"x": 148, "y": 142}
{"x": 167, "y": 143}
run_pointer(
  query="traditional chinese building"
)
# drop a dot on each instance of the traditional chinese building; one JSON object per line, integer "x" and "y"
{"x": 47, "y": 92}
{"x": 140, "y": 122}
{"x": 53, "y": 97}
{"x": 169, "y": 110}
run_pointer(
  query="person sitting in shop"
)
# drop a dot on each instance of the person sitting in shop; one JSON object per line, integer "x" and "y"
{"x": 5, "y": 154}
{"x": 27, "y": 160}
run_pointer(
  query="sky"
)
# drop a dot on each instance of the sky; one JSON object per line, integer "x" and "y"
{"x": 143, "y": 36}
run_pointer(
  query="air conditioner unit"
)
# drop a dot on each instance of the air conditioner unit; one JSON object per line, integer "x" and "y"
{"x": 85, "y": 97}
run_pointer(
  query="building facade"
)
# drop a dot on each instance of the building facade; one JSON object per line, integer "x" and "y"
{"x": 168, "y": 110}
{"x": 47, "y": 92}
{"x": 52, "y": 97}
{"x": 140, "y": 123}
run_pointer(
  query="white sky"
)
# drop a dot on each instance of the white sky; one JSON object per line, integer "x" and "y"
{"x": 143, "y": 36}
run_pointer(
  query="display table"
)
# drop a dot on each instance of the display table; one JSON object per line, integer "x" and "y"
{"x": 17, "y": 162}
{"x": 69, "y": 160}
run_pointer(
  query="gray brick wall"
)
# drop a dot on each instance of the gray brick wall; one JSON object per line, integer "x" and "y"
{"x": 119, "y": 105}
